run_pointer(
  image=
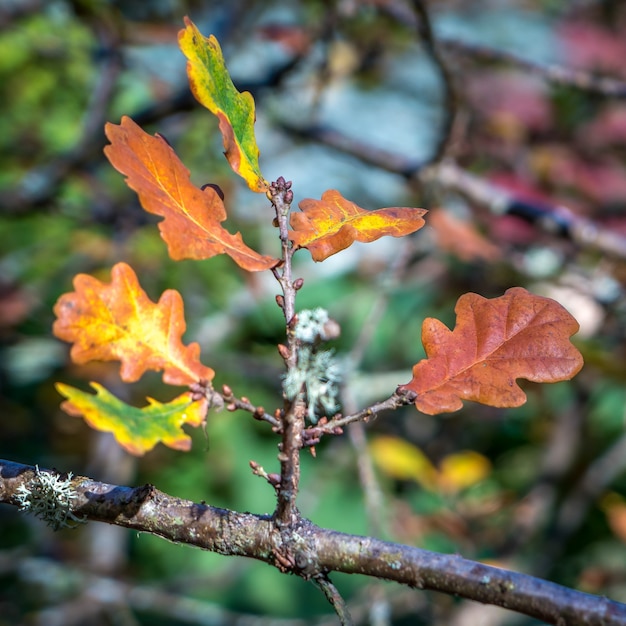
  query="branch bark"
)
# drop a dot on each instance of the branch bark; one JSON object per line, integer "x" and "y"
{"x": 318, "y": 551}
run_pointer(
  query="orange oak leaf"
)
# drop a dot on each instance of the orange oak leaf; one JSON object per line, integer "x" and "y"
{"x": 212, "y": 87}
{"x": 494, "y": 342}
{"x": 136, "y": 430}
{"x": 191, "y": 228}
{"x": 333, "y": 223}
{"x": 118, "y": 322}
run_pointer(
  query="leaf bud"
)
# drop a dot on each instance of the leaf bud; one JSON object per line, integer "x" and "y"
{"x": 284, "y": 351}
{"x": 227, "y": 391}
{"x": 297, "y": 284}
{"x": 280, "y": 301}
{"x": 289, "y": 196}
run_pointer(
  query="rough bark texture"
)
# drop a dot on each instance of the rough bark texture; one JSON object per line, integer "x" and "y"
{"x": 310, "y": 551}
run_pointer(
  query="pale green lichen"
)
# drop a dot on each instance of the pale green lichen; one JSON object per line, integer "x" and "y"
{"x": 49, "y": 497}
{"x": 317, "y": 372}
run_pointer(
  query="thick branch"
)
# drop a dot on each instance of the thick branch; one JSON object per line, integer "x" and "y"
{"x": 317, "y": 551}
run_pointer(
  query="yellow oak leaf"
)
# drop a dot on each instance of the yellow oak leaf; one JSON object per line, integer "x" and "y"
{"x": 333, "y": 223}
{"x": 118, "y": 322}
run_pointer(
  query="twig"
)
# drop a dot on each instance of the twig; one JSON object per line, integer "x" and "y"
{"x": 393, "y": 402}
{"x": 557, "y": 74}
{"x": 450, "y": 102}
{"x": 292, "y": 417}
{"x": 552, "y": 72}
{"x": 335, "y": 599}
{"x": 317, "y": 550}
{"x": 258, "y": 412}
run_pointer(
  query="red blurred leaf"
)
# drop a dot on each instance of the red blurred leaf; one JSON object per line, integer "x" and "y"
{"x": 461, "y": 238}
{"x": 494, "y": 342}
{"x": 191, "y": 227}
{"x": 333, "y": 223}
{"x": 118, "y": 322}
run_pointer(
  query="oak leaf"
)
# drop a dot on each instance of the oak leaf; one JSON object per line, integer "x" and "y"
{"x": 136, "y": 430}
{"x": 213, "y": 88}
{"x": 333, "y": 223}
{"x": 118, "y": 322}
{"x": 191, "y": 228}
{"x": 494, "y": 342}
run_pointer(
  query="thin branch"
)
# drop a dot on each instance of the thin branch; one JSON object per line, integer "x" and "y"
{"x": 233, "y": 403}
{"x": 317, "y": 551}
{"x": 552, "y": 72}
{"x": 292, "y": 417}
{"x": 393, "y": 402}
{"x": 556, "y": 74}
{"x": 450, "y": 102}
{"x": 334, "y": 597}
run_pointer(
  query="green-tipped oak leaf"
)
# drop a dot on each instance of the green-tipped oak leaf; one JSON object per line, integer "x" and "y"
{"x": 495, "y": 342}
{"x": 136, "y": 430}
{"x": 333, "y": 223}
{"x": 213, "y": 88}
{"x": 118, "y": 322}
{"x": 191, "y": 228}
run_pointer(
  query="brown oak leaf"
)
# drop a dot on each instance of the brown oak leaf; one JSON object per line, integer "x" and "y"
{"x": 495, "y": 341}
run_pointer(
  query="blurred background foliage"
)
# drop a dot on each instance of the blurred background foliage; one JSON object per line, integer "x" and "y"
{"x": 539, "y": 489}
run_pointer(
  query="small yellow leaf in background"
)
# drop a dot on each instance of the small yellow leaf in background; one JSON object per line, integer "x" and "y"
{"x": 402, "y": 460}
{"x": 463, "y": 469}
